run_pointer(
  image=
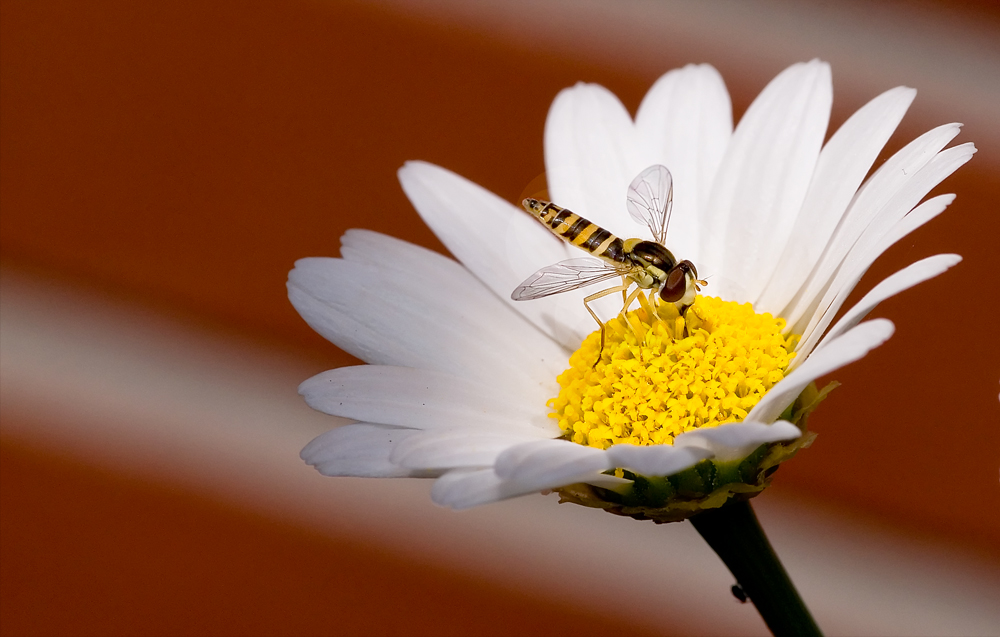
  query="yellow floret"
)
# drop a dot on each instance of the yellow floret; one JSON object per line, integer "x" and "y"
{"x": 662, "y": 374}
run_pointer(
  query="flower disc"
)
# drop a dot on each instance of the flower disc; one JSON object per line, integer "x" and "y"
{"x": 661, "y": 374}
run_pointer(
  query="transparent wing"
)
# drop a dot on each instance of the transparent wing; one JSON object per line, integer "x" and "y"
{"x": 650, "y": 197}
{"x": 564, "y": 276}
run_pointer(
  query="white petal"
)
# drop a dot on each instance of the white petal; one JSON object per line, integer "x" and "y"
{"x": 546, "y": 464}
{"x": 420, "y": 399}
{"x": 457, "y": 448}
{"x": 656, "y": 460}
{"x": 360, "y": 450}
{"x": 849, "y": 347}
{"x": 465, "y": 488}
{"x": 842, "y": 166}
{"x": 498, "y": 242}
{"x": 916, "y": 218}
{"x": 590, "y": 156}
{"x": 735, "y": 441}
{"x": 407, "y": 318}
{"x": 764, "y": 176}
{"x": 907, "y": 197}
{"x": 855, "y": 268}
{"x": 903, "y": 280}
{"x": 871, "y": 243}
{"x": 381, "y": 250}
{"x": 684, "y": 123}
{"x": 871, "y": 199}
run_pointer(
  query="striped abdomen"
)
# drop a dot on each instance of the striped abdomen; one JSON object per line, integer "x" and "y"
{"x": 575, "y": 230}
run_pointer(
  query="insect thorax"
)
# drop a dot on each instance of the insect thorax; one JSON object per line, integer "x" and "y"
{"x": 652, "y": 253}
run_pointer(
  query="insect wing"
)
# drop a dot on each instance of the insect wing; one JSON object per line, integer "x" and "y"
{"x": 564, "y": 276}
{"x": 650, "y": 198}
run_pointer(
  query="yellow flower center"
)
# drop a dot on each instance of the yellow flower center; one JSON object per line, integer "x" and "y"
{"x": 661, "y": 374}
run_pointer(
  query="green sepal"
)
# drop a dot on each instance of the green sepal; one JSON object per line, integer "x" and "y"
{"x": 708, "y": 484}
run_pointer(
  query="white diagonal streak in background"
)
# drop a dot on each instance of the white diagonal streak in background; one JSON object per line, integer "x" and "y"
{"x": 130, "y": 390}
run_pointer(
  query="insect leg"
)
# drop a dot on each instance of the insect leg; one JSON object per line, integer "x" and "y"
{"x": 628, "y": 302}
{"x": 631, "y": 297}
{"x": 597, "y": 295}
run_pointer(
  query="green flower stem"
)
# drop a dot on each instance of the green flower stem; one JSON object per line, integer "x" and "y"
{"x": 735, "y": 535}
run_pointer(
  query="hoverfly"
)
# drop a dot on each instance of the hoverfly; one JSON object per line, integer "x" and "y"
{"x": 647, "y": 264}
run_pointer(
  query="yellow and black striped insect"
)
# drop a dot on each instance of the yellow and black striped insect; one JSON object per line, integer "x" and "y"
{"x": 649, "y": 265}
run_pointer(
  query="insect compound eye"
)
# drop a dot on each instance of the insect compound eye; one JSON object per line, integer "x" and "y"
{"x": 654, "y": 254}
{"x": 694, "y": 270}
{"x": 676, "y": 285}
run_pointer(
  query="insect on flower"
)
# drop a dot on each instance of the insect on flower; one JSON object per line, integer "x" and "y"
{"x": 647, "y": 264}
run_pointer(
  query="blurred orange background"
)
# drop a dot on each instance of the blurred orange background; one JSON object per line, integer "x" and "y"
{"x": 180, "y": 156}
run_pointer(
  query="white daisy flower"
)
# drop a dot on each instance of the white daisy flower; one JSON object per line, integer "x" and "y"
{"x": 471, "y": 388}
